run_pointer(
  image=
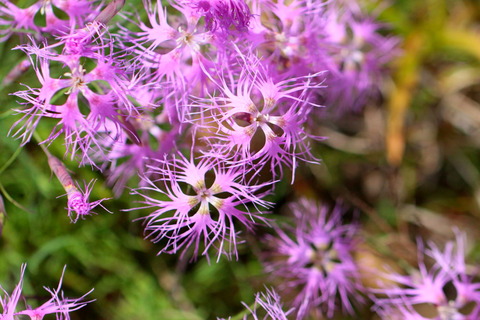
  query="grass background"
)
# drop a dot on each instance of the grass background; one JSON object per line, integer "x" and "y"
{"x": 409, "y": 162}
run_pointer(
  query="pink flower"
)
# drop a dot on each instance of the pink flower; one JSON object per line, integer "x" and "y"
{"x": 313, "y": 258}
{"x": 258, "y": 120}
{"x": 57, "y": 304}
{"x": 225, "y": 16}
{"x": 15, "y": 18}
{"x": 199, "y": 203}
{"x": 428, "y": 286}
{"x": 356, "y": 56}
{"x": 97, "y": 97}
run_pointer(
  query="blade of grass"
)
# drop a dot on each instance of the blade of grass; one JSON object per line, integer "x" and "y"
{"x": 13, "y": 201}
{"x": 12, "y": 158}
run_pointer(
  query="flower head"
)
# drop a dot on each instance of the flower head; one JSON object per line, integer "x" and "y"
{"x": 357, "y": 55}
{"x": 286, "y": 33}
{"x": 260, "y": 121}
{"x": 314, "y": 260}
{"x": 198, "y": 203}
{"x": 446, "y": 289}
{"x": 91, "y": 97}
{"x": 57, "y": 304}
{"x": 14, "y": 18}
{"x": 223, "y": 15}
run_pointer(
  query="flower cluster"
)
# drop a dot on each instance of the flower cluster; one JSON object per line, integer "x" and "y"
{"x": 207, "y": 103}
{"x": 230, "y": 85}
{"x": 201, "y": 107}
{"x": 355, "y": 55}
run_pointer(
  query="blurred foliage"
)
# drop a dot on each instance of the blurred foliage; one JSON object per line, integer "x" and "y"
{"x": 410, "y": 163}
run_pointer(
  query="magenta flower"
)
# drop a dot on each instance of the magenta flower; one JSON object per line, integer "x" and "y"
{"x": 429, "y": 286}
{"x": 78, "y": 203}
{"x": 199, "y": 203}
{"x": 357, "y": 55}
{"x": 286, "y": 34}
{"x": 314, "y": 261}
{"x": 223, "y": 15}
{"x": 14, "y": 18}
{"x": 97, "y": 100}
{"x": 258, "y": 120}
{"x": 57, "y": 305}
{"x": 170, "y": 48}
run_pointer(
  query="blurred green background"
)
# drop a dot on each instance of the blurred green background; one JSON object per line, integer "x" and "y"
{"x": 409, "y": 162}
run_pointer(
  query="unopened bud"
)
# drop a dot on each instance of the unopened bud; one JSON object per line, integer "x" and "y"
{"x": 61, "y": 172}
{"x": 3, "y": 214}
{"x": 110, "y": 11}
{"x": 16, "y": 72}
{"x": 77, "y": 199}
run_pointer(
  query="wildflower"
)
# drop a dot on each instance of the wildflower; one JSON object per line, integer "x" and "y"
{"x": 57, "y": 304}
{"x": 198, "y": 203}
{"x": 259, "y": 120}
{"x": 357, "y": 55}
{"x": 77, "y": 201}
{"x": 445, "y": 288}
{"x": 268, "y": 306}
{"x": 170, "y": 49}
{"x": 314, "y": 260}
{"x": 16, "y": 19}
{"x": 224, "y": 15}
{"x": 286, "y": 34}
{"x": 96, "y": 100}
{"x": 174, "y": 50}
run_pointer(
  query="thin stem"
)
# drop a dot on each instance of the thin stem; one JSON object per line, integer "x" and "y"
{"x": 9, "y": 198}
{"x": 12, "y": 158}
{"x": 6, "y": 114}
{"x": 39, "y": 140}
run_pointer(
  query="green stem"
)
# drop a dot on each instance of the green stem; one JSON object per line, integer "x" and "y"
{"x": 12, "y": 158}
{"x": 9, "y": 198}
{"x": 39, "y": 140}
{"x": 6, "y": 114}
